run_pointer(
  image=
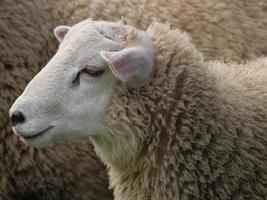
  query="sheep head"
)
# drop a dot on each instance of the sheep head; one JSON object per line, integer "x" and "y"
{"x": 70, "y": 96}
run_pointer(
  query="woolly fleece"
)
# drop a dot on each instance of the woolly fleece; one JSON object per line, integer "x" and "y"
{"x": 232, "y": 30}
{"x": 198, "y": 131}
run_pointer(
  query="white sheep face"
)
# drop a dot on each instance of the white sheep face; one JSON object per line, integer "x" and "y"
{"x": 69, "y": 97}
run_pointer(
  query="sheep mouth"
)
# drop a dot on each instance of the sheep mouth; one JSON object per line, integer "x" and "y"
{"x": 30, "y": 137}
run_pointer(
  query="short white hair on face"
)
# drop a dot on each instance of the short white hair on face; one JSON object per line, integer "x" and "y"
{"x": 70, "y": 95}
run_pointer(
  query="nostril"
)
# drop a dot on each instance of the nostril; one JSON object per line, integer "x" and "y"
{"x": 17, "y": 117}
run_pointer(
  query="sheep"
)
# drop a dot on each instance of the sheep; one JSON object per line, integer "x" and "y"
{"x": 227, "y": 30}
{"x": 167, "y": 123}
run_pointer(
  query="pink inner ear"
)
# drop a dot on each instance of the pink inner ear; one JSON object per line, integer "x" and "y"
{"x": 62, "y": 34}
{"x": 121, "y": 65}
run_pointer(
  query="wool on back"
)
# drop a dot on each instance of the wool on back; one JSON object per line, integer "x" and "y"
{"x": 198, "y": 131}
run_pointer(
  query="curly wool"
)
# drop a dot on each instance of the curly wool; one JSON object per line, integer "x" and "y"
{"x": 222, "y": 29}
{"x": 198, "y": 131}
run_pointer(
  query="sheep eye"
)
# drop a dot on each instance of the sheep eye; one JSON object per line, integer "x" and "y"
{"x": 76, "y": 80}
{"x": 91, "y": 71}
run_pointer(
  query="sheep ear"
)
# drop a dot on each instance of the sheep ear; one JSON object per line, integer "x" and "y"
{"x": 132, "y": 65}
{"x": 60, "y": 32}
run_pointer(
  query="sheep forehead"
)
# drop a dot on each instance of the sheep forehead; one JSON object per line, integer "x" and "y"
{"x": 90, "y": 33}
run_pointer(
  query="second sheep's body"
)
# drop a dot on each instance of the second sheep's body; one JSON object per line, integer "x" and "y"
{"x": 168, "y": 124}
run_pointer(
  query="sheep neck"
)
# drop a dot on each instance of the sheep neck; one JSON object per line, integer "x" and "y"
{"x": 148, "y": 165}
{"x": 176, "y": 137}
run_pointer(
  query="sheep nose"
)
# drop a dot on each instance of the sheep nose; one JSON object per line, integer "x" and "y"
{"x": 17, "y": 117}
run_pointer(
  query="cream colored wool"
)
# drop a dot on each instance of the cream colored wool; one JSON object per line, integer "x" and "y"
{"x": 198, "y": 131}
{"x": 232, "y": 30}
{"x": 220, "y": 29}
